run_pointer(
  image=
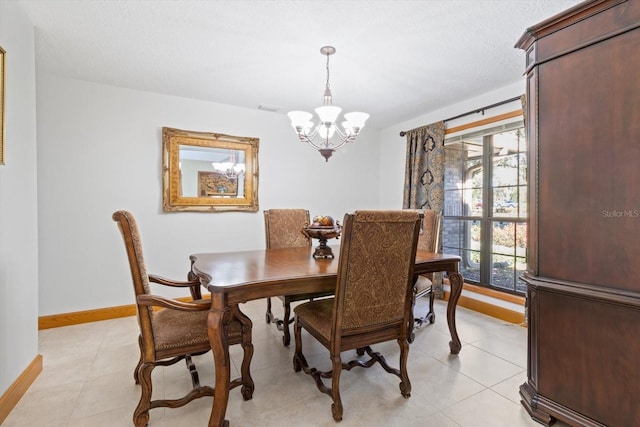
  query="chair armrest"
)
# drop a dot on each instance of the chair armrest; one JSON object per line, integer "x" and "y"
{"x": 158, "y": 301}
{"x": 161, "y": 280}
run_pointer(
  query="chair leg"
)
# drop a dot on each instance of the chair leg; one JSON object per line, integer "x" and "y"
{"x": 141, "y": 413}
{"x": 419, "y": 321}
{"x": 247, "y": 347}
{"x": 136, "y": 376}
{"x": 336, "y": 406}
{"x": 281, "y": 324}
{"x": 268, "y": 315}
{"x": 286, "y": 339}
{"x": 300, "y": 364}
{"x": 195, "y": 379}
{"x": 431, "y": 316}
{"x": 298, "y": 358}
{"x": 405, "y": 384}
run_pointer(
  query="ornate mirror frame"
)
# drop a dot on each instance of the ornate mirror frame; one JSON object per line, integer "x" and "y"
{"x": 217, "y": 191}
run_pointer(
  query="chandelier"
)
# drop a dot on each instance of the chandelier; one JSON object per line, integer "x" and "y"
{"x": 321, "y": 136}
{"x": 229, "y": 168}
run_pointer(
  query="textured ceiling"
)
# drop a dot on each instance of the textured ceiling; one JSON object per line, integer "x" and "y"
{"x": 395, "y": 59}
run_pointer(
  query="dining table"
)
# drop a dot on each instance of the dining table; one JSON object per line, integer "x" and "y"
{"x": 237, "y": 277}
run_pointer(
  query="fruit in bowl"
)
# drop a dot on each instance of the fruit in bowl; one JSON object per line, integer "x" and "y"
{"x": 322, "y": 221}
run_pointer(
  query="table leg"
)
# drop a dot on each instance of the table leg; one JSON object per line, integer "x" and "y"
{"x": 220, "y": 349}
{"x": 455, "y": 280}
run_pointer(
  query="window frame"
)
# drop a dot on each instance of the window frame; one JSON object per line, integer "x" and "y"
{"x": 465, "y": 214}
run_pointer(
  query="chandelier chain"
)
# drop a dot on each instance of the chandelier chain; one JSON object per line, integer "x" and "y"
{"x": 328, "y": 85}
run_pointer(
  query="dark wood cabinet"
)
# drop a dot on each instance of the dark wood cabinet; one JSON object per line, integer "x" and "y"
{"x": 583, "y": 276}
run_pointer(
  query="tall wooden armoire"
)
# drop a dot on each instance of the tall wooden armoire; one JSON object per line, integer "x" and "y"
{"x": 583, "y": 277}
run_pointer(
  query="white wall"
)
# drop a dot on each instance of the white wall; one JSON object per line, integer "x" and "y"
{"x": 99, "y": 150}
{"x": 393, "y": 147}
{"x": 18, "y": 198}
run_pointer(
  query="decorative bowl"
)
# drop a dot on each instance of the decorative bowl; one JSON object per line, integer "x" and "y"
{"x": 323, "y": 233}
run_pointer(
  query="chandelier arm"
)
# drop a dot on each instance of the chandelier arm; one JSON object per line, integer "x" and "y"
{"x": 344, "y": 137}
{"x": 309, "y": 140}
{"x": 342, "y": 142}
{"x": 340, "y": 133}
{"x": 312, "y": 134}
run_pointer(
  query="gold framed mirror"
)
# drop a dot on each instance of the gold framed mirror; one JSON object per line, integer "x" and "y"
{"x": 208, "y": 172}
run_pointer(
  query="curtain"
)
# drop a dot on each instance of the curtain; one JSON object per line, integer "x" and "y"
{"x": 424, "y": 176}
{"x": 424, "y": 168}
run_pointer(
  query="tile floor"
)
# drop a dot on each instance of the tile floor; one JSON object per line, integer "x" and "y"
{"x": 87, "y": 380}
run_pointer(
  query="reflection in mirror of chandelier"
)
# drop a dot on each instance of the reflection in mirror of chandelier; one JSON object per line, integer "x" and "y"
{"x": 209, "y": 172}
{"x": 230, "y": 167}
{"x": 327, "y": 128}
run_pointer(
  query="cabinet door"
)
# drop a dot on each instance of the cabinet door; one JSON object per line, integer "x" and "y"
{"x": 588, "y": 157}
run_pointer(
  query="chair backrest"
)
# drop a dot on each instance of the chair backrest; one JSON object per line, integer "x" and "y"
{"x": 429, "y": 238}
{"x": 283, "y": 228}
{"x": 129, "y": 230}
{"x": 375, "y": 270}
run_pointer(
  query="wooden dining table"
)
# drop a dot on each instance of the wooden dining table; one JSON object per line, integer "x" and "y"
{"x": 238, "y": 277}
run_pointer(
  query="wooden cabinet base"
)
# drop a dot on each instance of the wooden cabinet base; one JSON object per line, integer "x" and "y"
{"x": 546, "y": 411}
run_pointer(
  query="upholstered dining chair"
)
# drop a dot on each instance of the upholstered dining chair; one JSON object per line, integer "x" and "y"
{"x": 283, "y": 229}
{"x": 373, "y": 299}
{"x": 428, "y": 240}
{"x": 176, "y": 331}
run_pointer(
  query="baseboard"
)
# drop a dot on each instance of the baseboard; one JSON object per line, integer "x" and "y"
{"x": 489, "y": 309}
{"x": 77, "y": 317}
{"x": 14, "y": 393}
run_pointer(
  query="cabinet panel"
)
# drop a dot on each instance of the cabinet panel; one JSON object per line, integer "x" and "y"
{"x": 587, "y": 357}
{"x": 604, "y": 20}
{"x": 589, "y": 202}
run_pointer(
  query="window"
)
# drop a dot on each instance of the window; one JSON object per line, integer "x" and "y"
{"x": 485, "y": 213}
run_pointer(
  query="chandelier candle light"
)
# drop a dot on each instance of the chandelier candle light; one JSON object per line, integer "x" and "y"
{"x": 327, "y": 128}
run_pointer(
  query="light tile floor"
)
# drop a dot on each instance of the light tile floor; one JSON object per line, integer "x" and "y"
{"x": 87, "y": 380}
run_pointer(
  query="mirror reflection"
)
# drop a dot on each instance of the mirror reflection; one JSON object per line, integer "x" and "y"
{"x": 209, "y": 172}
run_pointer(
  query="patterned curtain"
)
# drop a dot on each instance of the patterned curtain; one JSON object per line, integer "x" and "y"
{"x": 424, "y": 168}
{"x": 424, "y": 175}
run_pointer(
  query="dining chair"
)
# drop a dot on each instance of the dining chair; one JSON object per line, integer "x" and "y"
{"x": 175, "y": 331}
{"x": 283, "y": 229}
{"x": 373, "y": 299}
{"x": 428, "y": 240}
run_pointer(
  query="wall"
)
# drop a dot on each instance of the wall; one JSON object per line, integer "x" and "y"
{"x": 18, "y": 209}
{"x": 99, "y": 150}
